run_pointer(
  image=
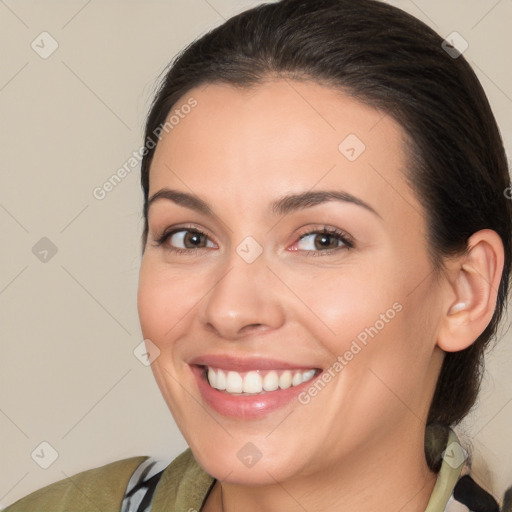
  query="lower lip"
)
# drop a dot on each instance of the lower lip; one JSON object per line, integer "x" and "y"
{"x": 246, "y": 406}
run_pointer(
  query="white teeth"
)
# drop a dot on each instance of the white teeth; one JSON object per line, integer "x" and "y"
{"x": 212, "y": 378}
{"x": 308, "y": 375}
{"x": 297, "y": 379}
{"x": 234, "y": 382}
{"x": 271, "y": 381}
{"x": 253, "y": 383}
{"x": 285, "y": 381}
{"x": 221, "y": 379}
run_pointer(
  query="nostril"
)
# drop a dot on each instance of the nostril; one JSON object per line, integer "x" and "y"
{"x": 253, "y": 327}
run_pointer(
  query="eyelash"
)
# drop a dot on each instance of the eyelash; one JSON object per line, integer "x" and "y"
{"x": 342, "y": 236}
{"x": 177, "y": 250}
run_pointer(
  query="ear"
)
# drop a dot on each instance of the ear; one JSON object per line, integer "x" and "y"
{"x": 474, "y": 279}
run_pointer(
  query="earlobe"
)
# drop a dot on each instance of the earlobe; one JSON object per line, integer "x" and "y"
{"x": 472, "y": 293}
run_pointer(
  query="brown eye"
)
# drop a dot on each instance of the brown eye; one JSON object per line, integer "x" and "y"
{"x": 184, "y": 239}
{"x": 192, "y": 240}
{"x": 325, "y": 241}
{"x": 322, "y": 241}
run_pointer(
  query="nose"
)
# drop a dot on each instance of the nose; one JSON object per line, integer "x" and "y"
{"x": 243, "y": 300}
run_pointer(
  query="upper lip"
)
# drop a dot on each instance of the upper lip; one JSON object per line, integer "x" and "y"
{"x": 244, "y": 364}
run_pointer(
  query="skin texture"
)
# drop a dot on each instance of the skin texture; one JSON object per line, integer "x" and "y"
{"x": 239, "y": 150}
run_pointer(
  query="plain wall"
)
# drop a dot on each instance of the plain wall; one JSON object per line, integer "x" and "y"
{"x": 69, "y": 323}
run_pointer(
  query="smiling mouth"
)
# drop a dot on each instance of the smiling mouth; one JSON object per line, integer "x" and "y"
{"x": 256, "y": 382}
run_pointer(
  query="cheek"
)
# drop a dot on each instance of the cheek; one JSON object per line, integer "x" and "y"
{"x": 164, "y": 300}
{"x": 342, "y": 303}
{"x": 368, "y": 317}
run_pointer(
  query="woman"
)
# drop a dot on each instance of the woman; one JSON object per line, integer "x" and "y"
{"x": 326, "y": 255}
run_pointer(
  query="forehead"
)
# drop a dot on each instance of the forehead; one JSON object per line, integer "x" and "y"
{"x": 282, "y": 136}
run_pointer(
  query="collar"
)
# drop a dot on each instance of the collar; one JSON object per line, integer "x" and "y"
{"x": 451, "y": 468}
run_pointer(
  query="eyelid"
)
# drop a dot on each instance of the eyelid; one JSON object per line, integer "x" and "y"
{"x": 346, "y": 238}
{"x": 171, "y": 230}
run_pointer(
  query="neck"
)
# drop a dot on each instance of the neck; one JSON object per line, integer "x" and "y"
{"x": 384, "y": 478}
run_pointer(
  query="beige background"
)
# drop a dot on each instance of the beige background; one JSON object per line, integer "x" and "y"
{"x": 69, "y": 325}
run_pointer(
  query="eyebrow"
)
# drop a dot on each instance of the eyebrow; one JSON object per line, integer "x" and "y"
{"x": 190, "y": 201}
{"x": 282, "y": 206}
{"x": 294, "y": 202}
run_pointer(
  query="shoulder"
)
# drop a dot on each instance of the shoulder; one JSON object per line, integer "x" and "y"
{"x": 99, "y": 489}
{"x": 125, "y": 485}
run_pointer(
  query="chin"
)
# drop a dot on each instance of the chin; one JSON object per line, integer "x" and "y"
{"x": 245, "y": 462}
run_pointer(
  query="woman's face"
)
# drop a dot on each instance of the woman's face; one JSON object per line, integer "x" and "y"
{"x": 295, "y": 251}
